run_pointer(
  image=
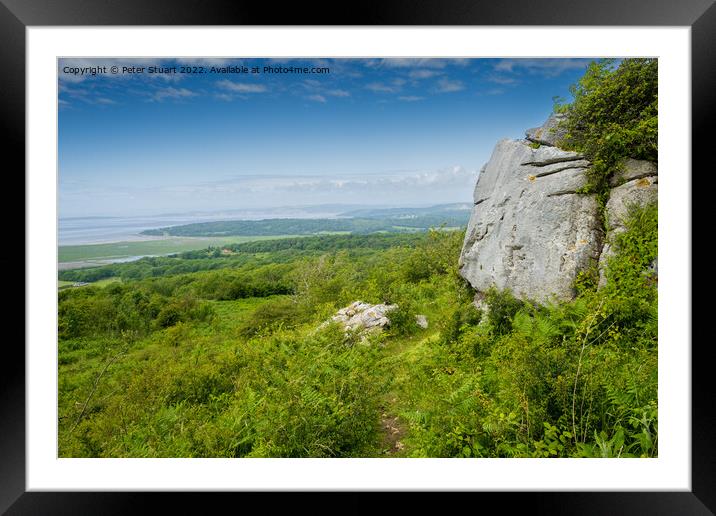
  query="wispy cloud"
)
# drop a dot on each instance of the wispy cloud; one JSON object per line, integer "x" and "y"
{"x": 547, "y": 67}
{"x": 502, "y": 79}
{"x": 411, "y": 62}
{"x": 318, "y": 91}
{"x": 449, "y": 184}
{"x": 491, "y": 91}
{"x": 241, "y": 87}
{"x": 207, "y": 61}
{"x": 172, "y": 93}
{"x": 448, "y": 86}
{"x": 224, "y": 96}
{"x": 85, "y": 95}
{"x": 379, "y": 87}
{"x": 394, "y": 181}
{"x": 338, "y": 93}
{"x": 422, "y": 74}
{"x": 410, "y": 98}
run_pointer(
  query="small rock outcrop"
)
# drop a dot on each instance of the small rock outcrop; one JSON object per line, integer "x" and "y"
{"x": 421, "y": 321}
{"x": 550, "y": 133}
{"x": 360, "y": 316}
{"x": 530, "y": 230}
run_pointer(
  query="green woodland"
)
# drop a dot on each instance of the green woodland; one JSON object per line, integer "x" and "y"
{"x": 356, "y": 225}
{"x": 223, "y": 352}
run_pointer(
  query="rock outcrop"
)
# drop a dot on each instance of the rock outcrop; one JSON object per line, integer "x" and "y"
{"x": 360, "y": 316}
{"x": 635, "y": 184}
{"x": 421, "y": 321}
{"x": 531, "y": 230}
{"x": 549, "y": 134}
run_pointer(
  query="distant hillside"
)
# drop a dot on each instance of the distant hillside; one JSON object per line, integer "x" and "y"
{"x": 454, "y": 209}
{"x": 373, "y": 221}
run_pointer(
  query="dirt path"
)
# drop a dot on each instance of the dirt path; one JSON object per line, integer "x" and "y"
{"x": 393, "y": 431}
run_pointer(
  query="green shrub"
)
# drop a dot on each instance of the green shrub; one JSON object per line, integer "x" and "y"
{"x": 271, "y": 315}
{"x": 613, "y": 115}
{"x": 502, "y": 308}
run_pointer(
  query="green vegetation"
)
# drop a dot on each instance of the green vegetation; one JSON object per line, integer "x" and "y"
{"x": 234, "y": 362}
{"x": 247, "y": 255}
{"x": 77, "y": 253}
{"x": 224, "y": 352}
{"x": 614, "y": 115}
{"x": 268, "y": 227}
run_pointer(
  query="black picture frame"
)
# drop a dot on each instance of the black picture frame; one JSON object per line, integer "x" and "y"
{"x": 17, "y": 15}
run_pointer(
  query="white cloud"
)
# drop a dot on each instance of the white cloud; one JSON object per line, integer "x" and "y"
{"x": 419, "y": 187}
{"x": 317, "y": 98}
{"x": 172, "y": 93}
{"x": 455, "y": 176}
{"x": 379, "y": 87}
{"x": 241, "y": 87}
{"x": 502, "y": 79}
{"x": 411, "y": 62}
{"x": 410, "y": 98}
{"x": 338, "y": 93}
{"x": 86, "y": 95}
{"x": 422, "y": 74}
{"x": 491, "y": 91}
{"x": 448, "y": 86}
{"x": 547, "y": 67}
{"x": 224, "y": 96}
{"x": 206, "y": 61}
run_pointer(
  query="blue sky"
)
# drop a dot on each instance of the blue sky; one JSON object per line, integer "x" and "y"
{"x": 401, "y": 132}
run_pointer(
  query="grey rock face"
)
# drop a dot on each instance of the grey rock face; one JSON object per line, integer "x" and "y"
{"x": 636, "y": 192}
{"x": 640, "y": 188}
{"x": 549, "y": 134}
{"x": 530, "y": 231}
{"x": 633, "y": 169}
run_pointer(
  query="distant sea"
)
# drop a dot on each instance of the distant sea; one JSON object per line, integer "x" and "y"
{"x": 101, "y": 230}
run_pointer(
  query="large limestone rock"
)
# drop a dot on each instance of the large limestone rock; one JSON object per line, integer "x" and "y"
{"x": 635, "y": 184}
{"x": 530, "y": 231}
{"x": 550, "y": 133}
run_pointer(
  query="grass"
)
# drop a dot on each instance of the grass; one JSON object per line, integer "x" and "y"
{"x": 82, "y": 360}
{"x": 78, "y": 253}
{"x": 107, "y": 281}
{"x": 61, "y": 284}
{"x": 230, "y": 314}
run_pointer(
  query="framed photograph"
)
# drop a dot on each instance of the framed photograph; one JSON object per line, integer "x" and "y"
{"x": 419, "y": 250}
